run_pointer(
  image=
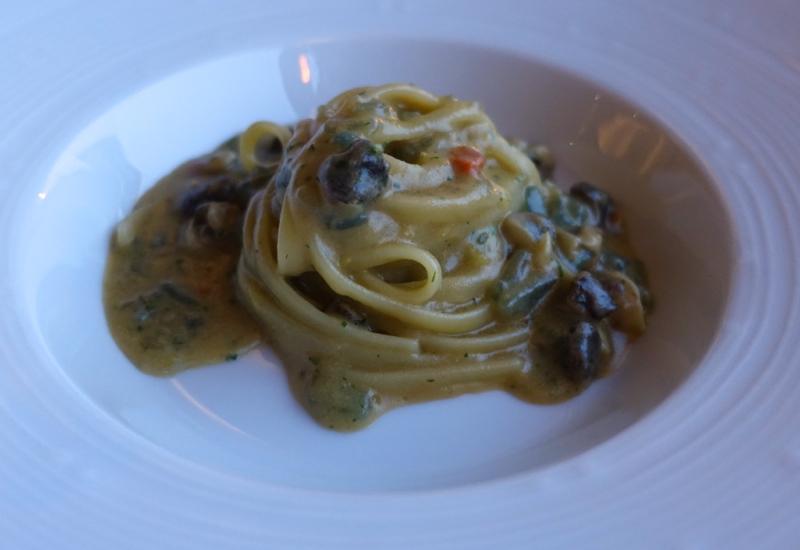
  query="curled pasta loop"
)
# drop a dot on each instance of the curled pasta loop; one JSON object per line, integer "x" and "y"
{"x": 420, "y": 317}
{"x": 258, "y": 273}
{"x": 414, "y": 292}
{"x": 249, "y": 139}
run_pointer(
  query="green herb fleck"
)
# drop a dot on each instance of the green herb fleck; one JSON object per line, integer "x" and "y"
{"x": 311, "y": 147}
{"x": 344, "y": 323}
{"x": 434, "y": 277}
{"x": 314, "y": 360}
{"x": 431, "y": 379}
{"x": 466, "y": 355}
{"x": 232, "y": 357}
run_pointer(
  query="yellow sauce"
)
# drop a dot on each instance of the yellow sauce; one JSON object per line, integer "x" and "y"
{"x": 172, "y": 304}
{"x": 395, "y": 249}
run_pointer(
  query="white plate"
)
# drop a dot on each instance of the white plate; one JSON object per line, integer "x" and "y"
{"x": 689, "y": 115}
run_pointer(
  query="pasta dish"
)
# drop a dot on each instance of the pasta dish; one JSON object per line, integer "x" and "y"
{"x": 393, "y": 249}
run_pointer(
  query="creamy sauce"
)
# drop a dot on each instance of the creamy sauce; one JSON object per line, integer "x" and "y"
{"x": 171, "y": 301}
{"x": 393, "y": 250}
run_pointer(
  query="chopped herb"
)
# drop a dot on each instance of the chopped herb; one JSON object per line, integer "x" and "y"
{"x": 466, "y": 355}
{"x": 311, "y": 147}
{"x": 344, "y": 138}
{"x": 314, "y": 360}
{"x": 177, "y": 293}
{"x": 194, "y": 323}
{"x": 434, "y": 277}
{"x": 449, "y": 178}
{"x": 232, "y": 357}
{"x": 344, "y": 323}
{"x": 431, "y": 379}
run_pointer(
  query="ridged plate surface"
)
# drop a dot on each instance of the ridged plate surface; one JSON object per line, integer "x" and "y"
{"x": 716, "y": 464}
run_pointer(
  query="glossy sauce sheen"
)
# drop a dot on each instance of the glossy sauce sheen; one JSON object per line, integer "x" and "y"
{"x": 393, "y": 250}
{"x": 172, "y": 306}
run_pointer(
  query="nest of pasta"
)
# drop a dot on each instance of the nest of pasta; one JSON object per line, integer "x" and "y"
{"x": 393, "y": 249}
{"x": 405, "y": 251}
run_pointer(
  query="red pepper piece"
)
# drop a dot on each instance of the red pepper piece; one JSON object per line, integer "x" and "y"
{"x": 466, "y": 160}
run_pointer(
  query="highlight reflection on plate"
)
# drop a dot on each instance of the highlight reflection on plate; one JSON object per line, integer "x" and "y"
{"x": 239, "y": 417}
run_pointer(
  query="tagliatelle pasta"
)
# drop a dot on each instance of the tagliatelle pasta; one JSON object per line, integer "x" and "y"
{"x": 394, "y": 249}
